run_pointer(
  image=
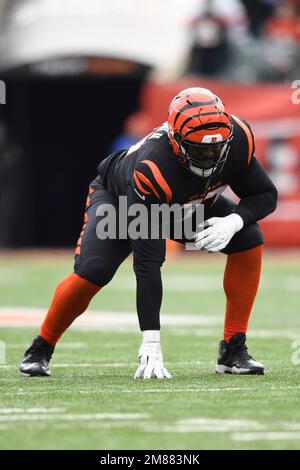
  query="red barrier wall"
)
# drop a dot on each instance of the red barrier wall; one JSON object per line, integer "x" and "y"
{"x": 275, "y": 121}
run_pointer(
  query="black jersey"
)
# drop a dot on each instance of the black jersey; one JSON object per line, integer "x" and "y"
{"x": 151, "y": 173}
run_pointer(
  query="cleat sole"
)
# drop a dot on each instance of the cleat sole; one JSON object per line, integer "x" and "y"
{"x": 27, "y": 375}
{"x": 222, "y": 369}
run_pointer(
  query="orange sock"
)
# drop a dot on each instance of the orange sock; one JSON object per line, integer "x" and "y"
{"x": 71, "y": 298}
{"x": 241, "y": 280}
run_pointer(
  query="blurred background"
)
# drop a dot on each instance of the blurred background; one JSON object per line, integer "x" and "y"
{"x": 85, "y": 78}
{"x": 80, "y": 79}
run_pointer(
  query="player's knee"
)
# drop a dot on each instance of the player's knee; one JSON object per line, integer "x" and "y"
{"x": 253, "y": 236}
{"x": 247, "y": 238}
{"x": 95, "y": 270}
{"x": 147, "y": 268}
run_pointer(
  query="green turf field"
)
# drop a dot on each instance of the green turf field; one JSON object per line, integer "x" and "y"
{"x": 98, "y": 405}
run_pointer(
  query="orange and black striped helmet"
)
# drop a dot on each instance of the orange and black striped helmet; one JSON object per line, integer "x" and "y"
{"x": 199, "y": 130}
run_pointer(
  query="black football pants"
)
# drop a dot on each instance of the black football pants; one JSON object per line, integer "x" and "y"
{"x": 97, "y": 260}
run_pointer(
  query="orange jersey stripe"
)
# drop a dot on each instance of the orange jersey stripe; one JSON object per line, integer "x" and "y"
{"x": 86, "y": 217}
{"x": 249, "y": 137}
{"x": 137, "y": 182}
{"x": 88, "y": 199}
{"x": 147, "y": 182}
{"x": 159, "y": 178}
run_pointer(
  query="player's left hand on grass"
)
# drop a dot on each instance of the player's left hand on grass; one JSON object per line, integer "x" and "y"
{"x": 151, "y": 358}
{"x": 218, "y": 233}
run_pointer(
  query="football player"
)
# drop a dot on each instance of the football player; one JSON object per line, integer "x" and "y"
{"x": 195, "y": 155}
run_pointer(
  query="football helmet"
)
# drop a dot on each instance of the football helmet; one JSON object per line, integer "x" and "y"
{"x": 200, "y": 131}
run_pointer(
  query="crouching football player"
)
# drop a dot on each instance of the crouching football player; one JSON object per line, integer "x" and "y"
{"x": 195, "y": 155}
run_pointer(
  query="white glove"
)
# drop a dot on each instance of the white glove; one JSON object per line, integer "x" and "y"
{"x": 150, "y": 356}
{"x": 219, "y": 232}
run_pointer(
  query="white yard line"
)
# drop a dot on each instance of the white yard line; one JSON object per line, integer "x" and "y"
{"x": 216, "y": 422}
{"x": 73, "y": 417}
{"x": 243, "y": 430}
{"x": 19, "y": 316}
{"x": 5, "y": 411}
{"x": 126, "y": 322}
{"x": 209, "y": 389}
{"x": 159, "y": 428}
{"x": 52, "y": 389}
{"x": 67, "y": 425}
{"x": 240, "y": 429}
{"x": 266, "y": 436}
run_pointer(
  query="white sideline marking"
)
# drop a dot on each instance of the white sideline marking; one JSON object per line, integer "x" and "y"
{"x": 259, "y": 431}
{"x": 31, "y": 410}
{"x": 232, "y": 423}
{"x": 180, "y": 428}
{"x": 127, "y": 323}
{"x": 292, "y": 426}
{"x": 189, "y": 390}
{"x": 266, "y": 436}
{"x": 207, "y": 425}
{"x": 34, "y": 390}
{"x": 216, "y": 389}
{"x": 74, "y": 417}
{"x": 158, "y": 390}
{"x": 19, "y": 316}
{"x": 67, "y": 425}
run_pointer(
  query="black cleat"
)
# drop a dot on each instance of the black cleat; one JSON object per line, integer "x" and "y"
{"x": 36, "y": 359}
{"x": 235, "y": 359}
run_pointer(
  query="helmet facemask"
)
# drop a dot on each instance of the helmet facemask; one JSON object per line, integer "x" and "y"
{"x": 203, "y": 159}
